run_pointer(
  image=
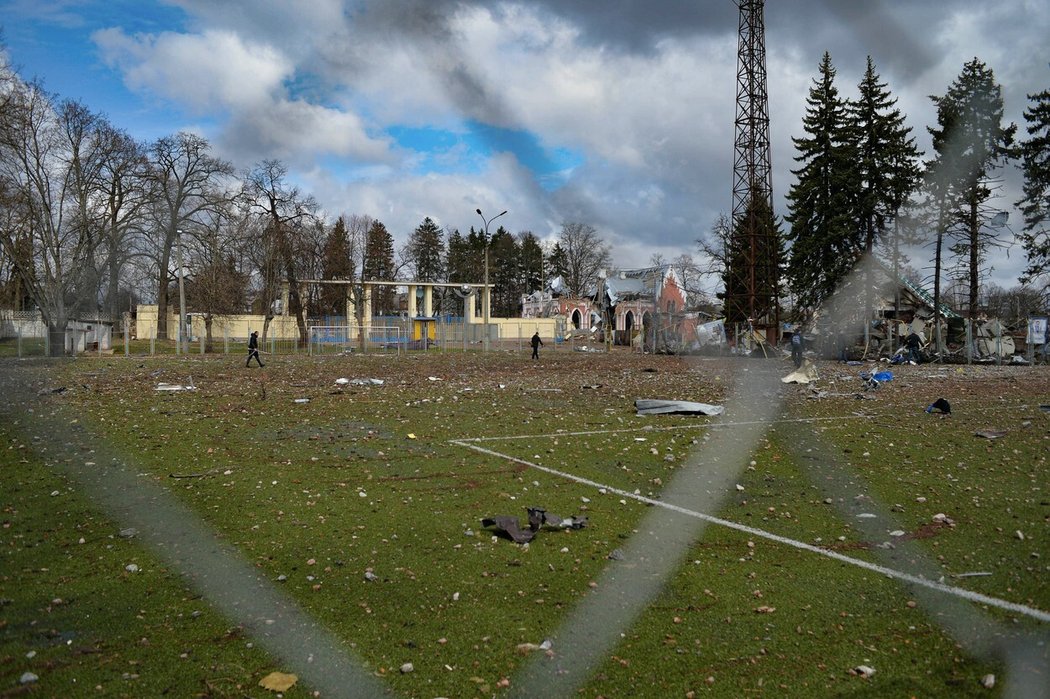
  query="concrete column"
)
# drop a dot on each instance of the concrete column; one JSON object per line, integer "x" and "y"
{"x": 411, "y": 300}
{"x": 486, "y": 305}
{"x": 468, "y": 313}
{"x": 428, "y": 301}
{"x": 366, "y": 312}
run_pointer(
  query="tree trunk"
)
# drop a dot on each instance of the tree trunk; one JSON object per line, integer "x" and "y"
{"x": 162, "y": 295}
{"x": 974, "y": 225}
{"x": 207, "y": 333}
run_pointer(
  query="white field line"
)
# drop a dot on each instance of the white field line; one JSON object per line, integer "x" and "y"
{"x": 975, "y": 597}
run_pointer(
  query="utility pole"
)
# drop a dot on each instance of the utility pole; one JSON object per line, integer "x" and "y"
{"x": 486, "y": 300}
{"x": 183, "y": 341}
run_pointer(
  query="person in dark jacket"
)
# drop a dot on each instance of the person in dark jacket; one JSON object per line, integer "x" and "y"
{"x": 536, "y": 343}
{"x": 253, "y": 349}
{"x": 796, "y": 347}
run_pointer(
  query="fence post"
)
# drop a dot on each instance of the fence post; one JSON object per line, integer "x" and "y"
{"x": 18, "y": 341}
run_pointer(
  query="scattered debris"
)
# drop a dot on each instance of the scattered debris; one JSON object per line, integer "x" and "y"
{"x": 278, "y": 681}
{"x": 615, "y": 555}
{"x": 1019, "y": 534}
{"x": 862, "y": 671}
{"x": 302, "y": 400}
{"x": 433, "y": 378}
{"x": 342, "y": 382}
{"x": 941, "y": 406}
{"x": 806, "y": 373}
{"x": 175, "y": 387}
{"x": 131, "y": 568}
{"x": 370, "y": 576}
{"x": 407, "y": 668}
{"x": 591, "y": 385}
{"x": 128, "y": 533}
{"x": 585, "y": 348}
{"x": 365, "y": 382}
{"x": 651, "y": 406}
{"x": 976, "y": 574}
{"x": 574, "y": 522}
{"x": 988, "y": 681}
{"x": 874, "y": 379}
{"x": 27, "y": 678}
{"x": 941, "y": 518}
{"x": 511, "y": 525}
{"x": 990, "y": 434}
{"x": 46, "y": 391}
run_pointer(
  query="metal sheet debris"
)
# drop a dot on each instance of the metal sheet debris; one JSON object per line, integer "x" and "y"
{"x": 652, "y": 406}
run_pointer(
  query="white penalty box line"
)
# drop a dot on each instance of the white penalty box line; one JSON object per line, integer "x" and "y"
{"x": 976, "y": 597}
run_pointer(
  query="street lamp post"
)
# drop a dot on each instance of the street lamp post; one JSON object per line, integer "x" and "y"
{"x": 183, "y": 341}
{"x": 487, "y": 298}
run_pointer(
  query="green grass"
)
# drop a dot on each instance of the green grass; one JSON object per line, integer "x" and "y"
{"x": 367, "y": 479}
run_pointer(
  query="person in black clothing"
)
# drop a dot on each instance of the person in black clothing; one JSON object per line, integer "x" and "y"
{"x": 913, "y": 343}
{"x": 796, "y": 347}
{"x": 536, "y": 342}
{"x": 253, "y": 349}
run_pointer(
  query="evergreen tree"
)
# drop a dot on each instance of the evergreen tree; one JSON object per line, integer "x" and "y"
{"x": 426, "y": 252}
{"x": 971, "y": 143}
{"x": 1035, "y": 205}
{"x": 887, "y": 158}
{"x": 337, "y": 264}
{"x": 825, "y": 238}
{"x": 738, "y": 254}
{"x": 505, "y": 274}
{"x": 379, "y": 266}
{"x": 558, "y": 263}
{"x": 532, "y": 263}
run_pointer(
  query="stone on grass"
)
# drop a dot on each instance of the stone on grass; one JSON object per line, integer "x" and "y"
{"x": 27, "y": 678}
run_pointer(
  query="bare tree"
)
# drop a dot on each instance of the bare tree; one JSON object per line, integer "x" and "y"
{"x": 586, "y": 254}
{"x": 288, "y": 212}
{"x": 187, "y": 181}
{"x": 49, "y": 171}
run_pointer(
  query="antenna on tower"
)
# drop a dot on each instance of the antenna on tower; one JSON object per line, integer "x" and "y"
{"x": 752, "y": 292}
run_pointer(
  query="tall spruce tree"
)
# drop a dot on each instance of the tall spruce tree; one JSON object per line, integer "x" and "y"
{"x": 887, "y": 158}
{"x": 337, "y": 264}
{"x": 736, "y": 275}
{"x": 1035, "y": 205}
{"x": 426, "y": 252}
{"x": 825, "y": 238}
{"x": 505, "y": 273}
{"x": 532, "y": 262}
{"x": 379, "y": 266}
{"x": 971, "y": 143}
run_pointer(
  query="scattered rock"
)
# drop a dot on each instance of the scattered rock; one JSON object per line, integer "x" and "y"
{"x": 988, "y": 681}
{"x": 128, "y": 533}
{"x": 407, "y": 668}
{"x": 27, "y": 678}
{"x": 862, "y": 671}
{"x": 131, "y": 568}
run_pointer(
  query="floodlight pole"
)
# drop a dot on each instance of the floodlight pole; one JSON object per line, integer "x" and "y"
{"x": 183, "y": 341}
{"x": 486, "y": 300}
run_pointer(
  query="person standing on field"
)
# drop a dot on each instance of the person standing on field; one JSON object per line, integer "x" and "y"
{"x": 536, "y": 343}
{"x": 253, "y": 349}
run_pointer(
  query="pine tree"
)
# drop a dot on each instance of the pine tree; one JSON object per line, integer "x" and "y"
{"x": 505, "y": 273}
{"x": 825, "y": 238}
{"x": 379, "y": 266}
{"x": 1035, "y": 205}
{"x": 426, "y": 252}
{"x": 738, "y": 256}
{"x": 887, "y": 158}
{"x": 558, "y": 262}
{"x": 532, "y": 262}
{"x": 336, "y": 265}
{"x": 971, "y": 144}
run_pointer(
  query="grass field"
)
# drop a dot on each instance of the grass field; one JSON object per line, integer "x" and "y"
{"x": 189, "y": 543}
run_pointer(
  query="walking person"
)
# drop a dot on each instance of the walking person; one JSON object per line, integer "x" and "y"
{"x": 797, "y": 347}
{"x": 536, "y": 343}
{"x": 253, "y": 349}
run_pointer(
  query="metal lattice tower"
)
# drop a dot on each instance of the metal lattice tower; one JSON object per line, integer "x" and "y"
{"x": 755, "y": 264}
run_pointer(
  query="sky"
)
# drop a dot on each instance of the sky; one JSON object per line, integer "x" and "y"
{"x": 614, "y": 113}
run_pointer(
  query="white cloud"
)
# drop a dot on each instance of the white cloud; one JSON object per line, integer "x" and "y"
{"x": 214, "y": 70}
